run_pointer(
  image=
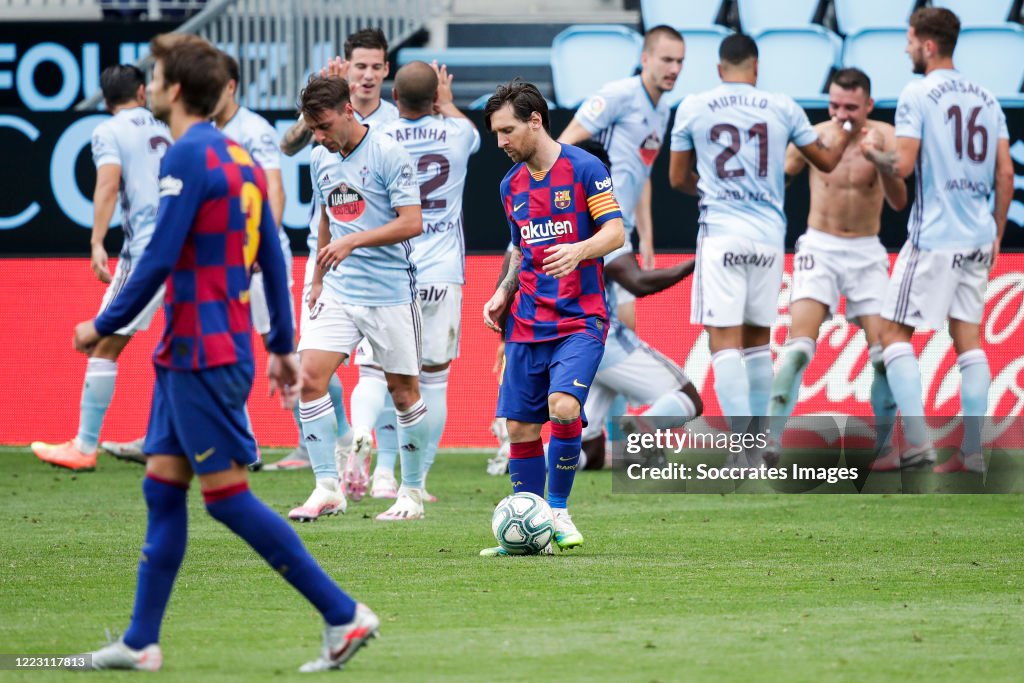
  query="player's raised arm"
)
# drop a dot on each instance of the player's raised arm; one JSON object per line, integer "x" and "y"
{"x": 827, "y": 150}
{"x": 625, "y": 271}
{"x": 894, "y": 186}
{"x": 795, "y": 162}
{"x": 295, "y": 138}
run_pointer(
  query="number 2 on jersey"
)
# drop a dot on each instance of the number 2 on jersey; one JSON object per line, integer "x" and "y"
{"x": 252, "y": 207}
{"x": 431, "y": 184}
{"x": 759, "y": 130}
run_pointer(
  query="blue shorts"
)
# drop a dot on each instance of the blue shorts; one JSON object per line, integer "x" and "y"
{"x": 201, "y": 415}
{"x": 534, "y": 370}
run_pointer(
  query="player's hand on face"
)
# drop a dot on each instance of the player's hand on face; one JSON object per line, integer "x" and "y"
{"x": 283, "y": 375}
{"x": 562, "y": 259}
{"x": 334, "y": 253}
{"x": 99, "y": 264}
{"x": 86, "y": 336}
{"x": 494, "y": 308}
{"x": 337, "y": 67}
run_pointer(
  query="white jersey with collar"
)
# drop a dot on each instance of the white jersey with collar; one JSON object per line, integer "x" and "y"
{"x": 440, "y": 148}
{"x": 133, "y": 139}
{"x": 622, "y": 117}
{"x": 959, "y": 125}
{"x": 360, "y": 192}
{"x": 739, "y": 135}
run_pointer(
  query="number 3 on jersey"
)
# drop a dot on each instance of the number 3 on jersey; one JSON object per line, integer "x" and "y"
{"x": 252, "y": 207}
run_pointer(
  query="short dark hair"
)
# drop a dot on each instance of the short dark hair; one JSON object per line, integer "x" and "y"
{"x": 416, "y": 85}
{"x": 120, "y": 83}
{"x": 231, "y": 64}
{"x": 851, "y": 78}
{"x": 524, "y": 99}
{"x": 597, "y": 149}
{"x": 196, "y": 65}
{"x": 367, "y": 38}
{"x": 737, "y": 48}
{"x": 323, "y": 94}
{"x": 652, "y": 35}
{"x": 938, "y": 24}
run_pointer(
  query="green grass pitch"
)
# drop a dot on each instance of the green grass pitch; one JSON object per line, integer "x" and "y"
{"x": 666, "y": 588}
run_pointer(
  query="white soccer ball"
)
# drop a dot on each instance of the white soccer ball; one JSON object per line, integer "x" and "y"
{"x": 523, "y": 524}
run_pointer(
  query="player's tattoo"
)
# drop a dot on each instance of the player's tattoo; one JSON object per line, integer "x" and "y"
{"x": 295, "y": 138}
{"x": 511, "y": 281}
{"x": 821, "y": 144}
{"x": 884, "y": 161}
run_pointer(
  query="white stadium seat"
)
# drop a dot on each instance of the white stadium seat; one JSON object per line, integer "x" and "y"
{"x": 992, "y": 56}
{"x": 586, "y": 56}
{"x": 880, "y": 53}
{"x": 978, "y": 11}
{"x": 680, "y": 14}
{"x": 759, "y": 15}
{"x": 700, "y": 67}
{"x": 855, "y": 15}
{"x": 797, "y": 61}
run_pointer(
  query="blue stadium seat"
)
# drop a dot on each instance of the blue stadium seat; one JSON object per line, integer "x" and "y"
{"x": 797, "y": 61}
{"x": 680, "y": 14}
{"x": 978, "y": 11}
{"x": 585, "y": 57}
{"x": 759, "y": 15}
{"x": 992, "y": 56}
{"x": 478, "y": 56}
{"x": 855, "y": 15}
{"x": 700, "y": 67}
{"x": 881, "y": 54}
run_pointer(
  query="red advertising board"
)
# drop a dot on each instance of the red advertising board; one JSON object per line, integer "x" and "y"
{"x": 42, "y": 299}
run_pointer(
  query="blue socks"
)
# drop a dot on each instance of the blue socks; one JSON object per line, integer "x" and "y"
{"x": 758, "y": 361}
{"x": 563, "y": 454}
{"x": 97, "y": 390}
{"x": 385, "y": 432}
{"x": 526, "y": 467}
{"x": 162, "y": 553}
{"x": 412, "y": 442}
{"x": 975, "y": 379}
{"x": 731, "y": 384}
{"x": 434, "y": 389}
{"x": 883, "y": 403}
{"x": 905, "y": 382}
{"x": 320, "y": 431}
{"x": 275, "y": 540}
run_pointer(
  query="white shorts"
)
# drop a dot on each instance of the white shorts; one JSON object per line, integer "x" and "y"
{"x": 393, "y": 332}
{"x": 142, "y": 320}
{"x": 927, "y": 287}
{"x": 441, "y": 308}
{"x": 258, "y": 302}
{"x": 736, "y": 282}
{"x": 642, "y": 377}
{"x": 621, "y": 294}
{"x": 827, "y": 267}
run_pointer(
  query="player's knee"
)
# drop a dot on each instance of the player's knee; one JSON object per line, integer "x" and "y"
{"x": 520, "y": 432}
{"x": 314, "y": 384}
{"x": 563, "y": 407}
{"x": 404, "y": 397}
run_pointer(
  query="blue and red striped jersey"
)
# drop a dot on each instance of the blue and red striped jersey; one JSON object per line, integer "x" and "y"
{"x": 567, "y": 204}
{"x": 213, "y": 223}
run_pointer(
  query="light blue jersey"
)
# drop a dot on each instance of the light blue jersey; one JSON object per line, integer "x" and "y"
{"x": 255, "y": 134}
{"x": 360, "y": 192}
{"x": 740, "y": 135}
{"x": 440, "y": 148}
{"x": 959, "y": 125}
{"x": 621, "y": 340}
{"x": 384, "y": 113}
{"x": 136, "y": 142}
{"x": 623, "y": 119}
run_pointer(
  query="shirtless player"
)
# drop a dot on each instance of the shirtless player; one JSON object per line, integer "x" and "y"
{"x": 840, "y": 254}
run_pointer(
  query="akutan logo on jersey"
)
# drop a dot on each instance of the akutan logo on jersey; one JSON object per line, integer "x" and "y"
{"x": 533, "y": 233}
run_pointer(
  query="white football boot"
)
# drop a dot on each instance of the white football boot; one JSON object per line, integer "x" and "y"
{"x": 325, "y": 500}
{"x": 408, "y": 506}
{"x": 340, "y": 643}
{"x": 117, "y": 655}
{"x": 356, "y": 475}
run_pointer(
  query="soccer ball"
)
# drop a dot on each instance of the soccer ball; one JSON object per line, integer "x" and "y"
{"x": 523, "y": 524}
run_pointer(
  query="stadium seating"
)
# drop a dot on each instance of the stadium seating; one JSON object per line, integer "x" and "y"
{"x": 881, "y": 54}
{"x": 680, "y": 14}
{"x": 797, "y": 61}
{"x": 585, "y": 57}
{"x": 700, "y": 67}
{"x": 978, "y": 11}
{"x": 856, "y": 15}
{"x": 757, "y": 16}
{"x": 478, "y": 56}
{"x": 992, "y": 56}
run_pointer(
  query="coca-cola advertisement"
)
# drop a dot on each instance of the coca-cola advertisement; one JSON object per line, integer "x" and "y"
{"x": 38, "y": 346}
